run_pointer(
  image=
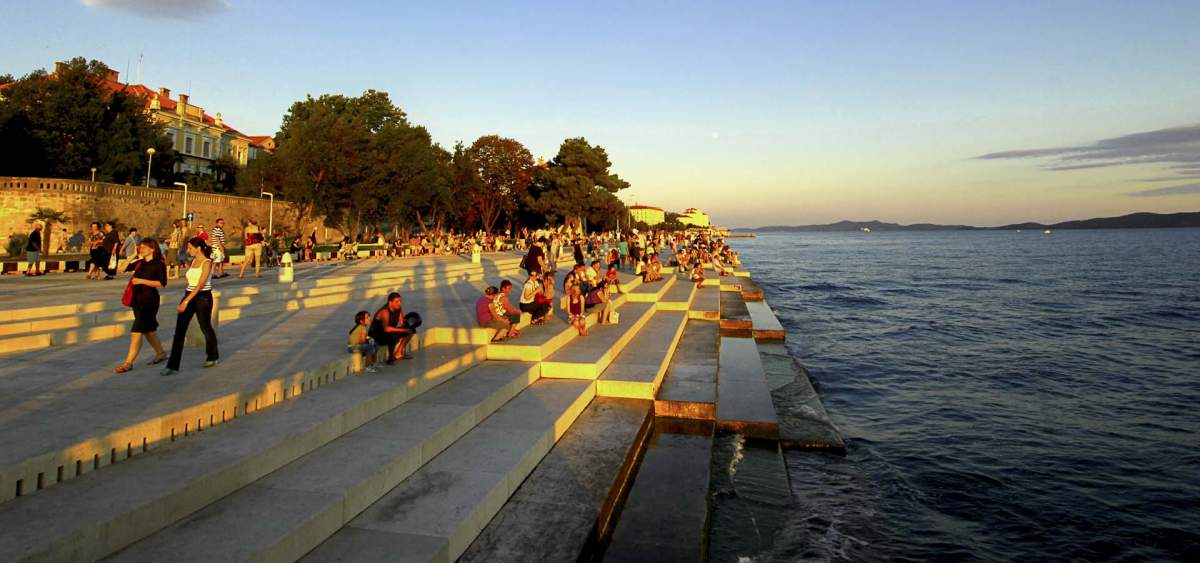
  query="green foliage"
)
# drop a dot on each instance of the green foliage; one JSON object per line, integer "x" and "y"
{"x": 16, "y": 244}
{"x": 577, "y": 184}
{"x": 48, "y": 216}
{"x": 505, "y": 168}
{"x": 62, "y": 126}
{"x": 356, "y": 161}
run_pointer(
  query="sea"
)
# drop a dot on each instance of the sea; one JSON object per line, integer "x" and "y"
{"x": 1004, "y": 396}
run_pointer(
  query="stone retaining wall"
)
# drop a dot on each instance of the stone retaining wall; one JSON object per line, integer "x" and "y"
{"x": 149, "y": 209}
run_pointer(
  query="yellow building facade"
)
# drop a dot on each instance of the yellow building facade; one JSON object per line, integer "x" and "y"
{"x": 647, "y": 214}
{"x": 694, "y": 218}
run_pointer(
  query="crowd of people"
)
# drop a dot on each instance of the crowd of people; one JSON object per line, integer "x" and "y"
{"x": 200, "y": 255}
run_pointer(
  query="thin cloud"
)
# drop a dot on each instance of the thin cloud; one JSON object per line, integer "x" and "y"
{"x": 1176, "y": 148}
{"x": 1173, "y": 190}
{"x": 163, "y": 9}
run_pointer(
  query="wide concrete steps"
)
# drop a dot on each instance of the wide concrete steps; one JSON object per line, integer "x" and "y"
{"x": 638, "y": 371}
{"x": 764, "y": 324}
{"x": 586, "y": 357}
{"x": 437, "y": 512}
{"x": 744, "y": 400}
{"x": 94, "y": 516}
{"x": 43, "y": 327}
{"x": 689, "y": 387}
{"x": 652, "y": 291}
{"x": 289, "y": 512}
{"x": 735, "y": 317}
{"x": 665, "y": 517}
{"x": 540, "y": 342}
{"x": 171, "y": 410}
{"x": 678, "y": 297}
{"x": 574, "y": 491}
{"x": 706, "y": 304}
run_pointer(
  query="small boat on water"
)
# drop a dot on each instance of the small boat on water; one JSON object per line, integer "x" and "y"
{"x": 1046, "y": 232}
{"x": 866, "y": 229}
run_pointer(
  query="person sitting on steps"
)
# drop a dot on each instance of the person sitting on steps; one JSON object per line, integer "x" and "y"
{"x": 389, "y": 330}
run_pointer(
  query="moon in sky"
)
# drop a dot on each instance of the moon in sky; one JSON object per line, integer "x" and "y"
{"x": 716, "y": 135}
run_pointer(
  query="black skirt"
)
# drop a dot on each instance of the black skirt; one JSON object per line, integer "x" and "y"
{"x": 145, "y": 318}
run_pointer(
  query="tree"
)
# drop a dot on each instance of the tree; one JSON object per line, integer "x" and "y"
{"x": 224, "y": 172}
{"x": 63, "y": 125}
{"x": 464, "y": 185}
{"x": 577, "y": 183}
{"x": 505, "y": 170}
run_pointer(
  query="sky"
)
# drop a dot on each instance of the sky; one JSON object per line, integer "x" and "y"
{"x": 760, "y": 113}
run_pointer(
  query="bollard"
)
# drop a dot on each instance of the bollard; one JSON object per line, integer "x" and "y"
{"x": 195, "y": 338}
{"x": 475, "y": 250}
{"x": 286, "y": 271}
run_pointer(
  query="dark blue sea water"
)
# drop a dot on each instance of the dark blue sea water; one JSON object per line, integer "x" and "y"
{"x": 1005, "y": 396}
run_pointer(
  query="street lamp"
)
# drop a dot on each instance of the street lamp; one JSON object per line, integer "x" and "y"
{"x": 184, "y": 186}
{"x": 93, "y": 174}
{"x": 270, "y": 212}
{"x": 149, "y": 151}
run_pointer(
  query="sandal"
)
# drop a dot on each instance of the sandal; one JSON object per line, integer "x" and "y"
{"x": 157, "y": 360}
{"x": 123, "y": 368}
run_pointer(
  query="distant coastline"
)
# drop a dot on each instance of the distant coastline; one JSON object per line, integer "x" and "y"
{"x": 1131, "y": 221}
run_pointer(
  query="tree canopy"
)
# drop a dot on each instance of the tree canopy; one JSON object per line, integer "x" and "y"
{"x": 505, "y": 168}
{"x": 64, "y": 125}
{"x": 577, "y": 184}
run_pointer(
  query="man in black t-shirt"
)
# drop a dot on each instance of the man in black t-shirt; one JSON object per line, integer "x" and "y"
{"x": 33, "y": 251}
{"x": 112, "y": 241}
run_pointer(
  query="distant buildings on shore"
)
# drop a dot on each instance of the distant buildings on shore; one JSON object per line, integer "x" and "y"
{"x": 199, "y": 138}
{"x": 652, "y": 216}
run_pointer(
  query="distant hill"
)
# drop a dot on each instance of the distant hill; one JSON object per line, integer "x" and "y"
{"x": 1131, "y": 221}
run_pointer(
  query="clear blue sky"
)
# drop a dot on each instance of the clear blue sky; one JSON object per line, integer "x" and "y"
{"x": 760, "y": 113}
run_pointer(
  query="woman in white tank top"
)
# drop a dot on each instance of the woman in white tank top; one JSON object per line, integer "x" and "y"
{"x": 197, "y": 302}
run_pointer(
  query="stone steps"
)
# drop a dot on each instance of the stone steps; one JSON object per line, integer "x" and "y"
{"x": 289, "y": 512}
{"x": 437, "y": 512}
{"x": 706, "y": 304}
{"x": 586, "y": 357}
{"x": 678, "y": 297}
{"x": 539, "y": 343}
{"x": 96, "y": 515}
{"x": 765, "y": 326}
{"x": 744, "y": 402}
{"x": 665, "y": 517}
{"x": 574, "y": 491}
{"x": 638, "y": 371}
{"x": 106, "y": 426}
{"x": 689, "y": 387}
{"x": 651, "y": 292}
{"x": 104, "y": 320}
{"x": 735, "y": 317}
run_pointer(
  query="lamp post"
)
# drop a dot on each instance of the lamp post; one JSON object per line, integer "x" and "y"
{"x": 149, "y": 151}
{"x": 184, "y": 186}
{"x": 270, "y": 212}
{"x": 93, "y": 174}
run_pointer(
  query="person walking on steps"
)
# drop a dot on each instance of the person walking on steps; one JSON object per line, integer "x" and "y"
{"x": 33, "y": 251}
{"x": 197, "y": 302}
{"x": 112, "y": 244}
{"x": 254, "y": 252}
{"x": 149, "y": 274}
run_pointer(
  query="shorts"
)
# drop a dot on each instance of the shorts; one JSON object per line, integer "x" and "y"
{"x": 172, "y": 257}
{"x": 254, "y": 250}
{"x": 33, "y": 257}
{"x": 369, "y": 349}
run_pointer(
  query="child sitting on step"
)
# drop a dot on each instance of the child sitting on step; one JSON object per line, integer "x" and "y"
{"x": 575, "y": 309}
{"x": 698, "y": 274}
{"x": 361, "y": 346}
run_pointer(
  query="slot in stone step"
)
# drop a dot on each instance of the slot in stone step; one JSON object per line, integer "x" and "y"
{"x": 689, "y": 388}
{"x": 289, "y": 512}
{"x": 91, "y": 517}
{"x": 585, "y": 357}
{"x": 573, "y": 491}
{"x": 665, "y": 517}
{"x": 436, "y": 513}
{"x": 638, "y": 370}
{"x": 743, "y": 398}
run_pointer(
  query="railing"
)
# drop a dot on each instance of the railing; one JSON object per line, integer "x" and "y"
{"x": 122, "y": 190}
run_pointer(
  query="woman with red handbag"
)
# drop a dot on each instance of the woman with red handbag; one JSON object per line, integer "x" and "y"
{"x": 141, "y": 294}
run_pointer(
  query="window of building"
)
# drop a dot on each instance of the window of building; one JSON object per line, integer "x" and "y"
{"x": 207, "y": 149}
{"x": 171, "y": 136}
{"x": 187, "y": 145}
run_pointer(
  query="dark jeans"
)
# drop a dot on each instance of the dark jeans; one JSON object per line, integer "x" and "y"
{"x": 200, "y": 307}
{"x": 538, "y": 310}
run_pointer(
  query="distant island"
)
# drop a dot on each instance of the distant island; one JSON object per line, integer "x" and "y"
{"x": 1131, "y": 221}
